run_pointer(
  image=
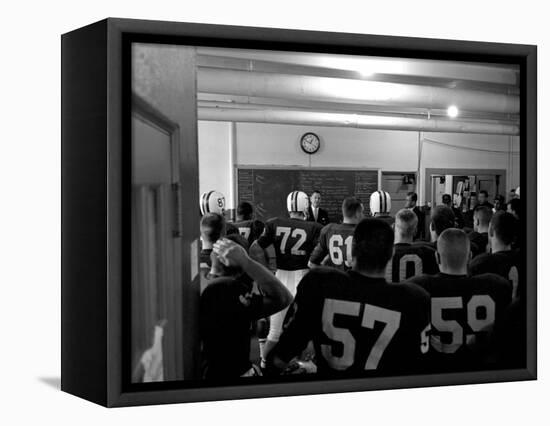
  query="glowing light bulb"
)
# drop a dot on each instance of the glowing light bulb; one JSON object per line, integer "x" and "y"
{"x": 452, "y": 111}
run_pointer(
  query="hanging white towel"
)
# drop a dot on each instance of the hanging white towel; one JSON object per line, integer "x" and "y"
{"x": 152, "y": 359}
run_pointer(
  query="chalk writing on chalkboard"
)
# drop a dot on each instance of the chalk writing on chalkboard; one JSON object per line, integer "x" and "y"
{"x": 267, "y": 189}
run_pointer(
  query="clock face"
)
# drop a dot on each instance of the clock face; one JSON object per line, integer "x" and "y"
{"x": 310, "y": 143}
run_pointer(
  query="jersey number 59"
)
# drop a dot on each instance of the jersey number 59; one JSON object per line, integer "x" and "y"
{"x": 479, "y": 306}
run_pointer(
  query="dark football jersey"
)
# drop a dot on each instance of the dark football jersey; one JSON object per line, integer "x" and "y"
{"x": 411, "y": 260}
{"x": 480, "y": 241}
{"x": 357, "y": 324}
{"x": 227, "y": 308}
{"x": 204, "y": 259}
{"x": 507, "y": 264}
{"x": 464, "y": 308}
{"x": 386, "y": 218}
{"x": 293, "y": 240}
{"x": 250, "y": 229}
{"x": 230, "y": 228}
{"x": 335, "y": 241}
{"x": 509, "y": 336}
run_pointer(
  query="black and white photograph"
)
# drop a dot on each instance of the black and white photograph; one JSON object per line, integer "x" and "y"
{"x": 275, "y": 213}
{"x": 340, "y": 216}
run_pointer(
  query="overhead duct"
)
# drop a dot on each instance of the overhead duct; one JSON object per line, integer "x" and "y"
{"x": 359, "y": 121}
{"x": 295, "y": 87}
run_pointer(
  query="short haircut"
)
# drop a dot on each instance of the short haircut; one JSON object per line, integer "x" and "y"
{"x": 500, "y": 199}
{"x": 483, "y": 214}
{"x": 453, "y": 246}
{"x": 446, "y": 197}
{"x": 315, "y": 191}
{"x": 484, "y": 193}
{"x": 212, "y": 227}
{"x": 442, "y": 218}
{"x": 245, "y": 210}
{"x": 515, "y": 205}
{"x": 406, "y": 222}
{"x": 504, "y": 226}
{"x": 372, "y": 244}
{"x": 413, "y": 195}
{"x": 350, "y": 206}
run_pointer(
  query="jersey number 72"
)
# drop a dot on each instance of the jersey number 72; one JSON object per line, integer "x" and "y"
{"x": 287, "y": 232}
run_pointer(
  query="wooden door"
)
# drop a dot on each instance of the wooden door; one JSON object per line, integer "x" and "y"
{"x": 393, "y": 183}
{"x": 164, "y": 85}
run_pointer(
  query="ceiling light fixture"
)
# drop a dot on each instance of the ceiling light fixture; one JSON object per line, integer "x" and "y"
{"x": 452, "y": 111}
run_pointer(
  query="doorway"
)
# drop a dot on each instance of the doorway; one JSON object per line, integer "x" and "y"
{"x": 398, "y": 185}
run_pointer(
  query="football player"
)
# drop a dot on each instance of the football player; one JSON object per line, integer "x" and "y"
{"x": 514, "y": 207}
{"x": 411, "y": 203}
{"x": 230, "y": 304}
{"x": 358, "y": 322}
{"x": 409, "y": 259}
{"x": 248, "y": 227}
{"x": 380, "y": 206}
{"x": 463, "y": 308}
{"x": 479, "y": 236}
{"x": 448, "y": 201}
{"x": 293, "y": 239}
{"x": 212, "y": 228}
{"x": 483, "y": 200}
{"x": 336, "y": 239}
{"x": 442, "y": 218}
{"x": 502, "y": 260}
{"x": 214, "y": 202}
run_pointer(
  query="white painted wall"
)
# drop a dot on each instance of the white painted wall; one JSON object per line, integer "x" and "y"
{"x": 214, "y": 167}
{"x": 278, "y": 144}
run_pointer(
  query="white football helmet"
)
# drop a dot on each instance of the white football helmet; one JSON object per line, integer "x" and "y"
{"x": 380, "y": 202}
{"x": 297, "y": 201}
{"x": 212, "y": 202}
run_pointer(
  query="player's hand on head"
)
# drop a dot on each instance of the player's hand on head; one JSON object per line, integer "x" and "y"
{"x": 230, "y": 253}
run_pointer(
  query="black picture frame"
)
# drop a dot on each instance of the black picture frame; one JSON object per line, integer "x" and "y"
{"x": 95, "y": 224}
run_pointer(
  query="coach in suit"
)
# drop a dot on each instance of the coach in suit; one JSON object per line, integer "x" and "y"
{"x": 316, "y": 213}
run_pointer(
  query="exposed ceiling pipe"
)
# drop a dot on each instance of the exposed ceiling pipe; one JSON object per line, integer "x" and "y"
{"x": 259, "y": 103}
{"x": 404, "y": 113}
{"x": 401, "y": 76}
{"x": 350, "y": 91}
{"x": 353, "y": 120}
{"x": 426, "y": 68}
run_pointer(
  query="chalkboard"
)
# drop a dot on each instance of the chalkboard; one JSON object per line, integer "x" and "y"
{"x": 267, "y": 189}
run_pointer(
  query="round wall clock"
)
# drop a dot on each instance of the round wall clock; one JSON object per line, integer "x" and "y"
{"x": 310, "y": 143}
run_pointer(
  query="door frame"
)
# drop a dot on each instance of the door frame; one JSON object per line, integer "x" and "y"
{"x": 428, "y": 172}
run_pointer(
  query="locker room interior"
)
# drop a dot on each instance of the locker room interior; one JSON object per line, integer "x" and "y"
{"x": 200, "y": 114}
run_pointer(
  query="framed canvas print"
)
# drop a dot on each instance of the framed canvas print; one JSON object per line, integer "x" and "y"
{"x": 253, "y": 212}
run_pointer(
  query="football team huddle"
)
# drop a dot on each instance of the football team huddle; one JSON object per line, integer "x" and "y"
{"x": 371, "y": 295}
